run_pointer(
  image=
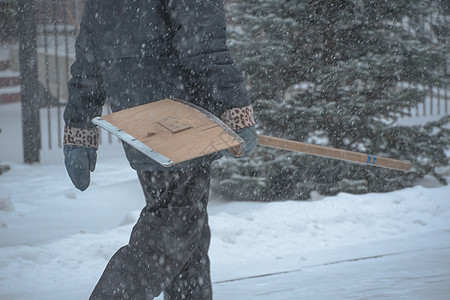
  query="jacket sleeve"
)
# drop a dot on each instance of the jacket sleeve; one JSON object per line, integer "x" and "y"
{"x": 85, "y": 89}
{"x": 199, "y": 39}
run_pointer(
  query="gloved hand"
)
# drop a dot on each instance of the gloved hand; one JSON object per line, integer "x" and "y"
{"x": 80, "y": 154}
{"x": 250, "y": 138}
{"x": 79, "y": 162}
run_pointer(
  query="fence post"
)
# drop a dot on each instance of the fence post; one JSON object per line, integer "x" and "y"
{"x": 27, "y": 31}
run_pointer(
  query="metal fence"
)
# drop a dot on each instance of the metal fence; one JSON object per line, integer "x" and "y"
{"x": 436, "y": 103}
{"x": 57, "y": 24}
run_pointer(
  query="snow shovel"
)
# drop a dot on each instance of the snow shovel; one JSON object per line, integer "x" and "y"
{"x": 171, "y": 131}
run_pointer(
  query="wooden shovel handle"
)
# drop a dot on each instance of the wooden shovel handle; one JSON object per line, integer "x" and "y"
{"x": 346, "y": 155}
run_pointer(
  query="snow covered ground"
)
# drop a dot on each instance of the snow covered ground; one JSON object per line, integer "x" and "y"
{"x": 55, "y": 241}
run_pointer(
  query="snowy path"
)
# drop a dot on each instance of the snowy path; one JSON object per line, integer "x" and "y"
{"x": 385, "y": 270}
{"x": 55, "y": 241}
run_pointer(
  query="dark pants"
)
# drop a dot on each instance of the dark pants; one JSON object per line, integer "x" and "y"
{"x": 168, "y": 247}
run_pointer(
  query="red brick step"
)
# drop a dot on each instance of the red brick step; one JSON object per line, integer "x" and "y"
{"x": 4, "y": 65}
{"x": 9, "y": 79}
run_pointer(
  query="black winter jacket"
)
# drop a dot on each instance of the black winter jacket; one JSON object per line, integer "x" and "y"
{"x": 132, "y": 52}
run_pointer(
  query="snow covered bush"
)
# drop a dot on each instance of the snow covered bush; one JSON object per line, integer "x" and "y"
{"x": 337, "y": 73}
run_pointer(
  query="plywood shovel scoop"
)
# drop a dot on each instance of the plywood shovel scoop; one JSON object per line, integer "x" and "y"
{"x": 171, "y": 131}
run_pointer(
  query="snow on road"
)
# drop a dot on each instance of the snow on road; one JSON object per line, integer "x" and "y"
{"x": 55, "y": 241}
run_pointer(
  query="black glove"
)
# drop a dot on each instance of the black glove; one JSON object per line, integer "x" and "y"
{"x": 250, "y": 138}
{"x": 80, "y": 161}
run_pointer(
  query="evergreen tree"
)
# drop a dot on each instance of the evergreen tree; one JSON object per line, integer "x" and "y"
{"x": 335, "y": 73}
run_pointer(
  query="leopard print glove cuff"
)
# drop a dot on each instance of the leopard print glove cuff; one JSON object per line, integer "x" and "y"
{"x": 239, "y": 117}
{"x": 86, "y": 137}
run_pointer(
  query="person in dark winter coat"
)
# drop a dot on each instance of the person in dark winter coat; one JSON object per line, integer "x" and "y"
{"x": 132, "y": 52}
